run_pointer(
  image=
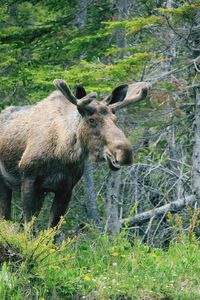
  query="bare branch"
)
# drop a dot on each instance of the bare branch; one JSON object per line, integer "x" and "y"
{"x": 172, "y": 207}
{"x": 197, "y": 64}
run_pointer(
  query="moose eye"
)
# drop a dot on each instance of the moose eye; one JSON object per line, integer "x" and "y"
{"x": 92, "y": 122}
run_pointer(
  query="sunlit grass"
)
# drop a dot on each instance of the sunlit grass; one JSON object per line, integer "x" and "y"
{"x": 94, "y": 266}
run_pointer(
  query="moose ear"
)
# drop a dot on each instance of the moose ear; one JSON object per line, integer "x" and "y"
{"x": 127, "y": 94}
{"x": 80, "y": 92}
{"x": 117, "y": 95}
{"x": 65, "y": 90}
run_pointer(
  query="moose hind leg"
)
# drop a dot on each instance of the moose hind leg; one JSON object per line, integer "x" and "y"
{"x": 59, "y": 207}
{"x": 5, "y": 200}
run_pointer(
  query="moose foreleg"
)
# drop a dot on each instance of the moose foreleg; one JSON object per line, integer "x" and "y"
{"x": 32, "y": 198}
{"x": 5, "y": 200}
{"x": 59, "y": 207}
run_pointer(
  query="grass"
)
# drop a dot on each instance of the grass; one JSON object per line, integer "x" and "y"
{"x": 93, "y": 266}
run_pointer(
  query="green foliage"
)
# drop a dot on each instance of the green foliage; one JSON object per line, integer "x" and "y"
{"x": 40, "y": 41}
{"x": 95, "y": 266}
{"x": 134, "y": 25}
{"x": 185, "y": 11}
{"x": 37, "y": 46}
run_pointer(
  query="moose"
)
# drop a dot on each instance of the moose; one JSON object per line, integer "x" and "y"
{"x": 44, "y": 147}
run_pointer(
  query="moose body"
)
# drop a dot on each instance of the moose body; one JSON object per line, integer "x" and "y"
{"x": 44, "y": 147}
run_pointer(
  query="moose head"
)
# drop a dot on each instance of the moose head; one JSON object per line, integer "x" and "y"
{"x": 98, "y": 130}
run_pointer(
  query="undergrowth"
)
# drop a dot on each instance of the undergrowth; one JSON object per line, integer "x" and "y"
{"x": 94, "y": 266}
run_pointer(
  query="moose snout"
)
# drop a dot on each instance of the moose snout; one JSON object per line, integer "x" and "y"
{"x": 119, "y": 156}
{"x": 124, "y": 155}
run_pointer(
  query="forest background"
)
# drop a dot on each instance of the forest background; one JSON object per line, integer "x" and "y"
{"x": 102, "y": 44}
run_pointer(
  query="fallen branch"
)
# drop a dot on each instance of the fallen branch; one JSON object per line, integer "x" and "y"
{"x": 172, "y": 207}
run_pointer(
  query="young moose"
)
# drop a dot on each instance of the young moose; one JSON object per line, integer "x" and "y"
{"x": 44, "y": 147}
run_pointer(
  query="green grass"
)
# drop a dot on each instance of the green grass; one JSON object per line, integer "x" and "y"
{"x": 93, "y": 266}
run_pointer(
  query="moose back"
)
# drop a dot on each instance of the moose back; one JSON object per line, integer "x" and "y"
{"x": 44, "y": 147}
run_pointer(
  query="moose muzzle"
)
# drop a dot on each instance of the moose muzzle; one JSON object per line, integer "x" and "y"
{"x": 121, "y": 156}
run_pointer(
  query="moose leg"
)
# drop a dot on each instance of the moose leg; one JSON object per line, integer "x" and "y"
{"x": 59, "y": 207}
{"x": 32, "y": 198}
{"x": 5, "y": 200}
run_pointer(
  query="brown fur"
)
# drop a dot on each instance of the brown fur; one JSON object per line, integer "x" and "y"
{"x": 43, "y": 148}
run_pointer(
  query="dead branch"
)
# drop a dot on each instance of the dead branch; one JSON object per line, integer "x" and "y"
{"x": 173, "y": 207}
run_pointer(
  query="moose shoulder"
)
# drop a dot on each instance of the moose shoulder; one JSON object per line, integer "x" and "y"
{"x": 43, "y": 148}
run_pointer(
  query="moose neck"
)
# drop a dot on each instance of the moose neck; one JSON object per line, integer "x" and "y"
{"x": 69, "y": 147}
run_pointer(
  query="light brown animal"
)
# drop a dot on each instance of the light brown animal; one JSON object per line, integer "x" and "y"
{"x": 44, "y": 147}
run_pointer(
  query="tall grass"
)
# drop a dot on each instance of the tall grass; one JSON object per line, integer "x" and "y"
{"x": 94, "y": 266}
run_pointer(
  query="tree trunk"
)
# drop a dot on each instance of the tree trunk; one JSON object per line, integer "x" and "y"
{"x": 112, "y": 213}
{"x": 171, "y": 130}
{"x": 113, "y": 185}
{"x": 90, "y": 196}
{"x": 89, "y": 190}
{"x": 122, "y": 12}
{"x": 174, "y": 161}
{"x": 196, "y": 151}
{"x": 81, "y": 15}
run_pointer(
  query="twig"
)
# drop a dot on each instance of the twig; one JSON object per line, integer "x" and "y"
{"x": 196, "y": 63}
